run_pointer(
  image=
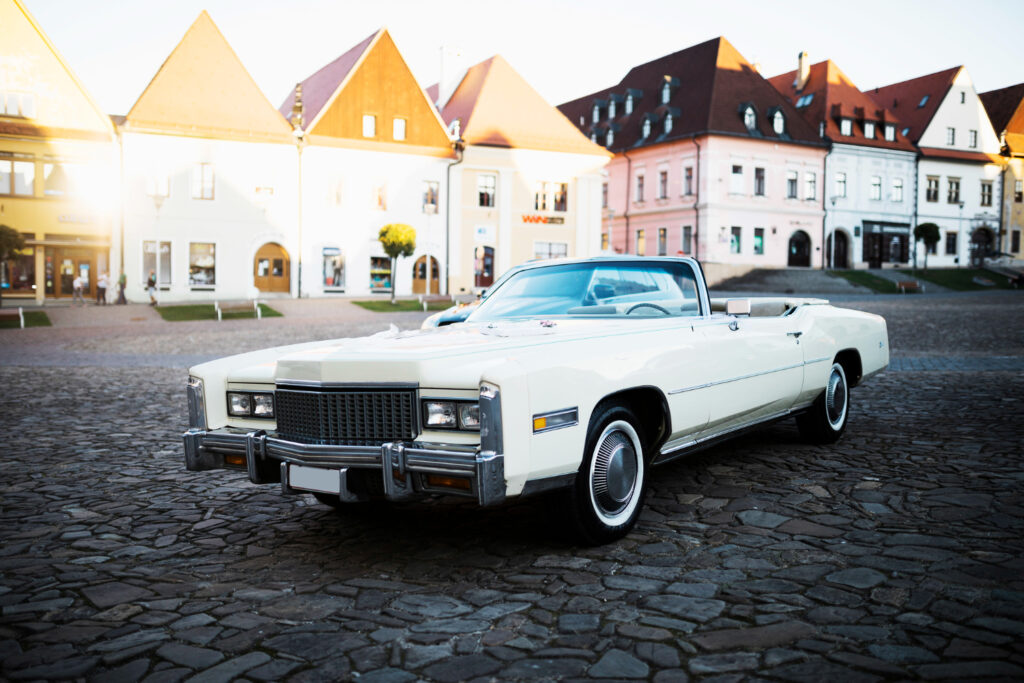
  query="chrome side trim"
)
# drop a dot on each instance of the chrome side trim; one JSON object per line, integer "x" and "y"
{"x": 817, "y": 360}
{"x": 316, "y": 384}
{"x": 196, "y": 403}
{"x": 737, "y": 379}
{"x": 674, "y": 447}
{"x": 491, "y": 459}
{"x": 571, "y": 415}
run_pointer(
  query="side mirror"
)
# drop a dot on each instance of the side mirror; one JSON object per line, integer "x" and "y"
{"x": 737, "y": 307}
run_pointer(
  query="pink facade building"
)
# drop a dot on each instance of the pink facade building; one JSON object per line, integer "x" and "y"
{"x": 710, "y": 161}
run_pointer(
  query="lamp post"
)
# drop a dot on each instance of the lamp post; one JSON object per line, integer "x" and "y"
{"x": 158, "y": 196}
{"x": 960, "y": 230}
{"x": 832, "y": 235}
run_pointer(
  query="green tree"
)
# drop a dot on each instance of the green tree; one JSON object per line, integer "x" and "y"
{"x": 398, "y": 239}
{"x": 930, "y": 235}
{"x": 11, "y": 242}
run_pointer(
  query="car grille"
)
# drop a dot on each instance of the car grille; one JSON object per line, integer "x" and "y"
{"x": 346, "y": 417}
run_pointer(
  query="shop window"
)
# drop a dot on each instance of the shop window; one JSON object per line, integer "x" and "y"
{"x": 17, "y": 174}
{"x": 486, "y": 189}
{"x": 734, "y": 240}
{"x": 202, "y": 181}
{"x": 560, "y": 201}
{"x": 641, "y": 243}
{"x": 549, "y": 250}
{"x": 202, "y": 265}
{"x": 540, "y": 196}
{"x": 758, "y": 240}
{"x": 380, "y": 273}
{"x": 430, "y": 191}
{"x": 161, "y": 267}
{"x": 18, "y": 273}
{"x": 1015, "y": 241}
{"x": 604, "y": 241}
{"x": 334, "y": 268}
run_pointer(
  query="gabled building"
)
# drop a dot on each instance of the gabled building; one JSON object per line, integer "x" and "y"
{"x": 1005, "y": 109}
{"x": 529, "y": 183}
{"x": 210, "y": 191}
{"x": 710, "y": 161}
{"x": 958, "y": 170}
{"x": 58, "y": 170}
{"x": 869, "y": 171}
{"x": 375, "y": 151}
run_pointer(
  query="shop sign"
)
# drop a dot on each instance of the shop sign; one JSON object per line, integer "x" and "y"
{"x": 552, "y": 220}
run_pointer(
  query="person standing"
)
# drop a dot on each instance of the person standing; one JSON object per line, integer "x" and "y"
{"x": 77, "y": 287}
{"x": 101, "y": 289}
{"x": 151, "y": 287}
{"x": 122, "y": 280}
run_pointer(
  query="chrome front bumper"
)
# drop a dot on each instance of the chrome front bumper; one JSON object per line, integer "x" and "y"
{"x": 404, "y": 466}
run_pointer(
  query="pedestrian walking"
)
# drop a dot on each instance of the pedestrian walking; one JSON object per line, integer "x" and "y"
{"x": 77, "y": 288}
{"x": 122, "y": 280}
{"x": 101, "y": 289}
{"x": 151, "y": 287}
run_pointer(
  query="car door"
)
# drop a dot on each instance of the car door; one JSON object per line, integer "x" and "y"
{"x": 752, "y": 369}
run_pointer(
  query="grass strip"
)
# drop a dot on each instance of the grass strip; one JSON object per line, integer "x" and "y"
{"x": 402, "y": 305}
{"x": 32, "y": 319}
{"x": 184, "y": 312}
{"x": 960, "y": 279}
{"x": 866, "y": 279}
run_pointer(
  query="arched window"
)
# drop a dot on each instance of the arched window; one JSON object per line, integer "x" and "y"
{"x": 668, "y": 123}
{"x": 646, "y": 128}
{"x": 611, "y": 109}
{"x": 597, "y": 113}
{"x": 666, "y": 93}
{"x": 779, "y": 123}
{"x": 629, "y": 104}
{"x": 609, "y": 138}
{"x": 749, "y": 118}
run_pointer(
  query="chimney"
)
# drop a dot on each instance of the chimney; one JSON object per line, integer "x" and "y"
{"x": 452, "y": 73}
{"x": 757, "y": 67}
{"x": 803, "y": 71}
{"x": 298, "y": 110}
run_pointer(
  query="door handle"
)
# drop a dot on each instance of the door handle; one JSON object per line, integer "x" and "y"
{"x": 794, "y": 334}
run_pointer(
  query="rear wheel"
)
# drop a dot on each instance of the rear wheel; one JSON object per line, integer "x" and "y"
{"x": 606, "y": 499}
{"x": 825, "y": 421}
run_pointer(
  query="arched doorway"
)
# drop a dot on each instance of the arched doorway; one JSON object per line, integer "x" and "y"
{"x": 800, "y": 249}
{"x": 841, "y": 253}
{"x": 420, "y": 279}
{"x": 982, "y": 245}
{"x": 483, "y": 268}
{"x": 272, "y": 269}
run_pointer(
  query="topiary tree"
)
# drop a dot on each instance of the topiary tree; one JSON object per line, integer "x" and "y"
{"x": 398, "y": 239}
{"x": 11, "y": 241}
{"x": 930, "y": 235}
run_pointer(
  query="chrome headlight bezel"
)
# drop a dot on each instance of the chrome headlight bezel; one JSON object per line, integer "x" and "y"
{"x": 251, "y": 404}
{"x": 457, "y": 414}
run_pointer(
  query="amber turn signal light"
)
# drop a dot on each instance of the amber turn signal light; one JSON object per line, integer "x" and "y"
{"x": 236, "y": 460}
{"x": 449, "y": 482}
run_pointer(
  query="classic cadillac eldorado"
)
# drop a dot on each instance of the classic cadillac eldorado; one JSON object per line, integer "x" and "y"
{"x": 575, "y": 376}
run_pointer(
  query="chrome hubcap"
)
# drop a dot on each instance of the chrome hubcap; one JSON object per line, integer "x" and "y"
{"x": 835, "y": 398}
{"x": 615, "y": 473}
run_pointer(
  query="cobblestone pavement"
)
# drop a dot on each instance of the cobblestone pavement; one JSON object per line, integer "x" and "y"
{"x": 896, "y": 554}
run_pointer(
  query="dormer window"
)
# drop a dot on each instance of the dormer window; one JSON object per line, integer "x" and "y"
{"x": 611, "y": 109}
{"x": 668, "y": 124}
{"x": 890, "y": 132}
{"x": 869, "y": 130}
{"x": 845, "y": 127}
{"x": 629, "y": 104}
{"x": 778, "y": 123}
{"x": 609, "y": 138}
{"x": 905, "y": 132}
{"x": 666, "y": 93}
{"x": 593, "y": 138}
{"x": 924, "y": 101}
{"x": 750, "y": 118}
{"x": 804, "y": 101}
{"x": 646, "y": 128}
{"x": 597, "y": 114}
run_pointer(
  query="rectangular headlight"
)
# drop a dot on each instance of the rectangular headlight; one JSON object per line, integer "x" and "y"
{"x": 239, "y": 404}
{"x": 469, "y": 416}
{"x": 440, "y": 414}
{"x": 263, "y": 405}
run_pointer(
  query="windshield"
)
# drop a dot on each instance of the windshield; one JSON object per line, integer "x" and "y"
{"x": 609, "y": 289}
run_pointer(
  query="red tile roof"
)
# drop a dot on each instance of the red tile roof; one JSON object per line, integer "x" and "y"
{"x": 1005, "y": 109}
{"x": 710, "y": 83}
{"x": 497, "y": 107}
{"x": 905, "y": 99}
{"x": 959, "y": 155}
{"x": 835, "y": 96}
{"x": 318, "y": 88}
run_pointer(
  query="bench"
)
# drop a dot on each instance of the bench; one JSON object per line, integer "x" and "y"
{"x": 13, "y": 314}
{"x": 909, "y": 286}
{"x": 239, "y": 307}
{"x": 426, "y": 299}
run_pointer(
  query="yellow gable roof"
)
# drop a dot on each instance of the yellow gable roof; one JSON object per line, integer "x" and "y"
{"x": 203, "y": 89}
{"x": 56, "y": 103}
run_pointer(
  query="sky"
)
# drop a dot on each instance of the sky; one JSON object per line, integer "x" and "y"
{"x": 564, "y": 48}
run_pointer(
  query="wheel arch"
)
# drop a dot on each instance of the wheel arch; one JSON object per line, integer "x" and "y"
{"x": 650, "y": 406}
{"x": 852, "y": 366}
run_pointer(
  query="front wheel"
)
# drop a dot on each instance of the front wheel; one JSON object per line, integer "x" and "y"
{"x": 825, "y": 421}
{"x": 606, "y": 499}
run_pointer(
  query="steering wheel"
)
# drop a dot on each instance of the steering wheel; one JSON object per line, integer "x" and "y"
{"x": 648, "y": 305}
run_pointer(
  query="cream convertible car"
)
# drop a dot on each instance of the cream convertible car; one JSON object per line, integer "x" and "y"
{"x": 578, "y": 375}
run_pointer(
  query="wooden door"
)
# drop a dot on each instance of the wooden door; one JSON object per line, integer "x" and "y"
{"x": 420, "y": 277}
{"x": 272, "y": 269}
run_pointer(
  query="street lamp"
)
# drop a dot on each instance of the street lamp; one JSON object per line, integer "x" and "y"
{"x": 832, "y": 235}
{"x": 960, "y": 230}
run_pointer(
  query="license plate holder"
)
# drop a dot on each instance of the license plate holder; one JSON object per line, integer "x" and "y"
{"x": 321, "y": 479}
